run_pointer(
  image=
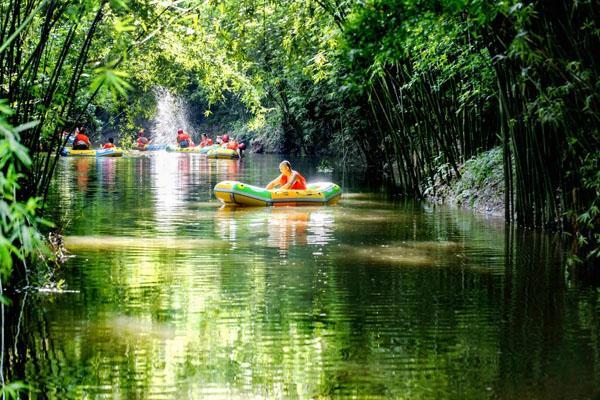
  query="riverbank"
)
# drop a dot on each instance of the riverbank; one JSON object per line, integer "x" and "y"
{"x": 480, "y": 186}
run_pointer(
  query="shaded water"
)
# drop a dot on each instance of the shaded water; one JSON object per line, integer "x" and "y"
{"x": 177, "y": 298}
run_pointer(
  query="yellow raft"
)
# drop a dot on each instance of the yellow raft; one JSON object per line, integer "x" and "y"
{"x": 222, "y": 153}
{"x": 241, "y": 194}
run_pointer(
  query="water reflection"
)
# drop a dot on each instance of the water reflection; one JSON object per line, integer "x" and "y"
{"x": 279, "y": 227}
{"x": 179, "y": 298}
{"x": 227, "y": 169}
{"x": 82, "y": 167}
{"x": 108, "y": 172}
{"x": 170, "y": 176}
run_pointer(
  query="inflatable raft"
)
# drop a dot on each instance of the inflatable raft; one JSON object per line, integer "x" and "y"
{"x": 195, "y": 150}
{"x": 241, "y": 194}
{"x": 177, "y": 149}
{"x": 206, "y": 149}
{"x": 222, "y": 153}
{"x": 116, "y": 152}
{"x": 151, "y": 147}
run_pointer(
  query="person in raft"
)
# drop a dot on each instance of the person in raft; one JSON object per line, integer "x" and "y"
{"x": 289, "y": 179}
{"x": 110, "y": 144}
{"x": 184, "y": 139}
{"x": 205, "y": 141}
{"x": 224, "y": 141}
{"x": 233, "y": 144}
{"x": 81, "y": 141}
{"x": 142, "y": 141}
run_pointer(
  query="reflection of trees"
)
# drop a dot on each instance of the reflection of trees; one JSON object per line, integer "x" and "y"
{"x": 546, "y": 351}
{"x": 317, "y": 320}
{"x": 59, "y": 357}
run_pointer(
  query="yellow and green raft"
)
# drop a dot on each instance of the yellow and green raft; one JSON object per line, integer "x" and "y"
{"x": 206, "y": 149}
{"x": 116, "y": 152}
{"x": 177, "y": 149}
{"x": 241, "y": 194}
{"x": 195, "y": 150}
{"x": 222, "y": 153}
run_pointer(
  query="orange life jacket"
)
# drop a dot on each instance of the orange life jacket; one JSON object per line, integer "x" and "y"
{"x": 184, "y": 136}
{"x": 232, "y": 145}
{"x": 80, "y": 137}
{"x": 299, "y": 184}
{"x": 109, "y": 146}
{"x": 206, "y": 142}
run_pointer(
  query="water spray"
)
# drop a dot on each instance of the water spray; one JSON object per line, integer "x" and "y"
{"x": 172, "y": 113}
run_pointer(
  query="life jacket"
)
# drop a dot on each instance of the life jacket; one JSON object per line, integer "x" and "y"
{"x": 80, "y": 137}
{"x": 232, "y": 145}
{"x": 142, "y": 141}
{"x": 206, "y": 142}
{"x": 299, "y": 184}
{"x": 109, "y": 145}
{"x": 182, "y": 137}
{"x": 81, "y": 142}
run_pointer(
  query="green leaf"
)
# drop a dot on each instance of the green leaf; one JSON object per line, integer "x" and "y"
{"x": 123, "y": 25}
{"x": 12, "y": 389}
{"x": 26, "y": 126}
{"x": 112, "y": 79}
{"x": 116, "y": 4}
{"x": 4, "y": 108}
{"x": 5, "y": 300}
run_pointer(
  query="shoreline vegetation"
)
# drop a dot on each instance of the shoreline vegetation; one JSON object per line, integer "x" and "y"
{"x": 414, "y": 90}
{"x": 478, "y": 186}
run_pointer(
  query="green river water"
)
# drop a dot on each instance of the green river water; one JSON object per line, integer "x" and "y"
{"x": 169, "y": 296}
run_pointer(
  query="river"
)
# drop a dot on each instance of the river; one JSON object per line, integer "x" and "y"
{"x": 168, "y": 295}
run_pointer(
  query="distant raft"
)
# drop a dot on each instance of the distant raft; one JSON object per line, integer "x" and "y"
{"x": 241, "y": 194}
{"x": 222, "y": 153}
{"x": 177, "y": 149}
{"x": 115, "y": 152}
{"x": 151, "y": 147}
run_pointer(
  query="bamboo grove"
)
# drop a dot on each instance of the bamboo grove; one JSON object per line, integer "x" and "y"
{"x": 523, "y": 76}
{"x": 410, "y": 88}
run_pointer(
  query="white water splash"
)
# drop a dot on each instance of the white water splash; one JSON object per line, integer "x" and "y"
{"x": 171, "y": 114}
